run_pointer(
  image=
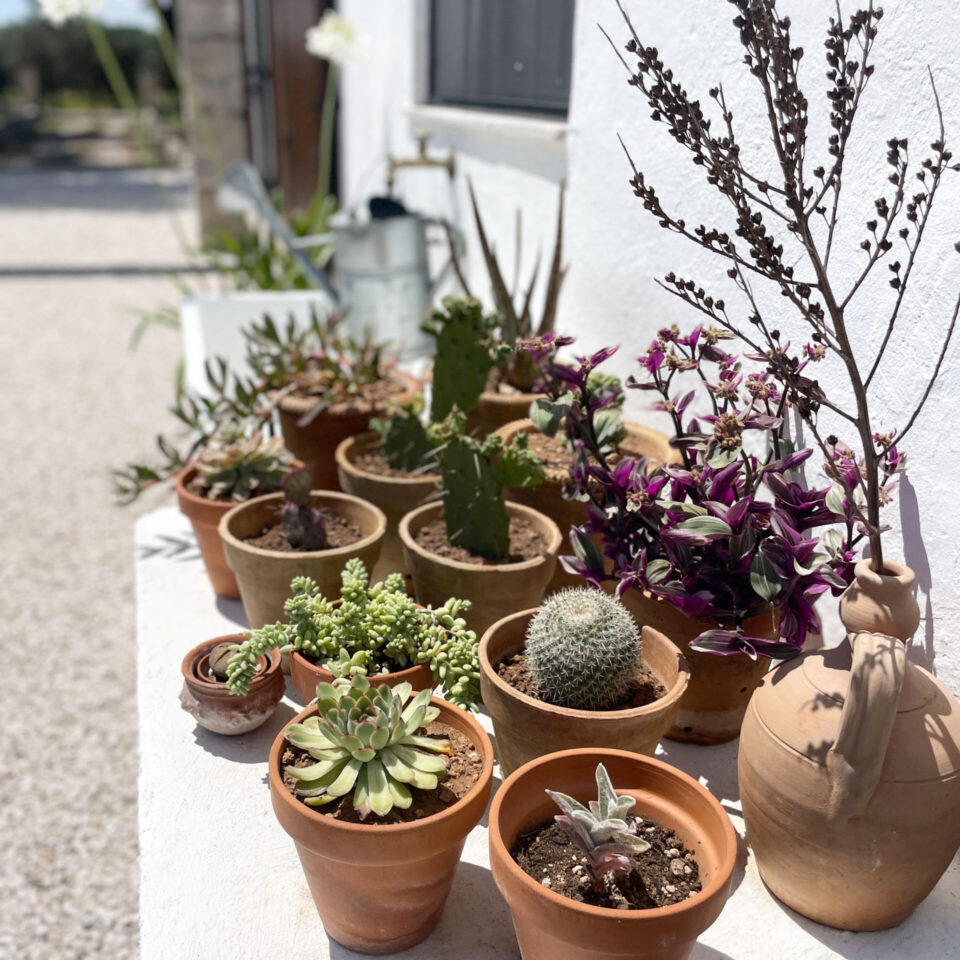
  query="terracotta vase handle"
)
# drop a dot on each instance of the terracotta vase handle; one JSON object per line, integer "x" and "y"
{"x": 855, "y": 760}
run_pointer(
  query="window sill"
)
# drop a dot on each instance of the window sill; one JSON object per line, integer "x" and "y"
{"x": 493, "y": 124}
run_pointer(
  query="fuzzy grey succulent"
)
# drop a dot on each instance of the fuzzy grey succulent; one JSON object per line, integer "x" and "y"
{"x": 237, "y": 464}
{"x": 367, "y": 745}
{"x": 602, "y": 831}
{"x": 583, "y": 649}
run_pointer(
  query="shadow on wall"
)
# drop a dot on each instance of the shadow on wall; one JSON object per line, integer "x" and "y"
{"x": 920, "y": 651}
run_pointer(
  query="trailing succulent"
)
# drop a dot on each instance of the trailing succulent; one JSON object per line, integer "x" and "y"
{"x": 366, "y": 745}
{"x": 583, "y": 649}
{"x": 303, "y": 523}
{"x": 602, "y": 831}
{"x": 375, "y": 629}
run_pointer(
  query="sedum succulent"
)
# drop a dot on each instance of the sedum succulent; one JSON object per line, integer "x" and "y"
{"x": 366, "y": 743}
{"x": 302, "y": 523}
{"x": 583, "y": 649}
{"x": 375, "y": 629}
{"x": 602, "y": 831}
{"x": 236, "y": 464}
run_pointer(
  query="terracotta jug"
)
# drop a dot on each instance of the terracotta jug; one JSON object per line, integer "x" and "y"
{"x": 849, "y": 769}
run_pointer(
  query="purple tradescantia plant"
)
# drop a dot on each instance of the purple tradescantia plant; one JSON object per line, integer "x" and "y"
{"x": 729, "y": 530}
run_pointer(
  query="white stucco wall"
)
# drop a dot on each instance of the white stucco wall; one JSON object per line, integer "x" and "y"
{"x": 616, "y": 250}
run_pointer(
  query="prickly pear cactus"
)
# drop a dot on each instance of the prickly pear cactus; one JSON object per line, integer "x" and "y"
{"x": 466, "y": 352}
{"x": 583, "y": 649}
{"x": 404, "y": 442}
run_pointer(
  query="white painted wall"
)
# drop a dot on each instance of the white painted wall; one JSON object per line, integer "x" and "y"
{"x": 616, "y": 250}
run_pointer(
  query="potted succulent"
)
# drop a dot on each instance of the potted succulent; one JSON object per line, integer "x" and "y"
{"x": 205, "y": 693}
{"x": 299, "y": 532}
{"x": 872, "y": 784}
{"x": 639, "y": 873}
{"x": 376, "y": 630}
{"x": 578, "y": 672}
{"x": 379, "y": 792}
{"x": 472, "y": 542}
{"x": 325, "y": 386}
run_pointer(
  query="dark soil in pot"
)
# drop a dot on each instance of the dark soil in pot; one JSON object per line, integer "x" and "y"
{"x": 553, "y": 455}
{"x": 668, "y": 872}
{"x": 526, "y": 543}
{"x": 372, "y": 462}
{"x": 340, "y": 533}
{"x": 463, "y": 771}
{"x": 377, "y": 392}
{"x": 646, "y": 688}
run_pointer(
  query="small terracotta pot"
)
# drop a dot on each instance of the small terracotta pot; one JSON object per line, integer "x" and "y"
{"x": 881, "y": 603}
{"x": 381, "y": 888}
{"x": 550, "y": 926}
{"x": 264, "y": 575}
{"x": 547, "y": 497}
{"x": 395, "y": 496}
{"x": 218, "y": 710}
{"x": 495, "y": 589}
{"x": 305, "y": 675}
{"x": 315, "y": 443}
{"x": 526, "y": 728}
{"x": 715, "y": 701}
{"x": 495, "y": 410}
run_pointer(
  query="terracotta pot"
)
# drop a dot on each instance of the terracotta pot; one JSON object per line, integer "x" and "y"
{"x": 552, "y": 927}
{"x": 526, "y": 728}
{"x": 381, "y": 889}
{"x": 495, "y": 589}
{"x": 547, "y": 497}
{"x": 395, "y": 496}
{"x": 495, "y": 410}
{"x": 315, "y": 443}
{"x": 264, "y": 575}
{"x": 214, "y": 707}
{"x": 716, "y": 698}
{"x": 850, "y": 768}
{"x": 305, "y": 675}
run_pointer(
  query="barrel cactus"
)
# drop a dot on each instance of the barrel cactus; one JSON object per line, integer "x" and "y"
{"x": 583, "y": 650}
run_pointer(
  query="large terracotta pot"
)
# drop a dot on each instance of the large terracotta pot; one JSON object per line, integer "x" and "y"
{"x": 526, "y": 728}
{"x": 552, "y": 927}
{"x": 264, "y": 575}
{"x": 716, "y": 698}
{"x": 881, "y": 603}
{"x": 395, "y": 496}
{"x": 381, "y": 889}
{"x": 547, "y": 497}
{"x": 495, "y": 409}
{"x": 218, "y": 710}
{"x": 316, "y": 442}
{"x": 849, "y": 773}
{"x": 305, "y": 675}
{"x": 494, "y": 589}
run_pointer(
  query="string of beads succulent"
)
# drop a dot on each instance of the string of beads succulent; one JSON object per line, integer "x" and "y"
{"x": 583, "y": 649}
{"x": 374, "y": 630}
{"x": 366, "y": 743}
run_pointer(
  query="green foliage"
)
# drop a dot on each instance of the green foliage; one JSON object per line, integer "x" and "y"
{"x": 404, "y": 441}
{"x": 466, "y": 353}
{"x": 237, "y": 464}
{"x": 583, "y": 649}
{"x": 366, "y": 743}
{"x": 473, "y": 474}
{"x": 381, "y": 622}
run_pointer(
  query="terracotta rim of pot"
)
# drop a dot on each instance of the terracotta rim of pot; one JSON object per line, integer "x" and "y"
{"x": 327, "y": 498}
{"x": 710, "y": 890}
{"x": 477, "y": 736}
{"x": 188, "y": 667}
{"x": 893, "y": 572}
{"x": 421, "y": 516}
{"x": 496, "y": 398}
{"x": 407, "y": 674}
{"x": 363, "y": 443}
{"x": 486, "y": 667}
{"x": 292, "y": 403}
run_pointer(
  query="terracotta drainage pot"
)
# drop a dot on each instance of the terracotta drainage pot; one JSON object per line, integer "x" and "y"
{"x": 495, "y": 410}
{"x": 527, "y": 728}
{"x": 264, "y": 575}
{"x": 547, "y": 497}
{"x": 716, "y": 698}
{"x": 849, "y": 770}
{"x": 214, "y": 707}
{"x": 395, "y": 496}
{"x": 315, "y": 443}
{"x": 495, "y": 589}
{"x": 381, "y": 889}
{"x": 550, "y": 926}
{"x": 305, "y": 675}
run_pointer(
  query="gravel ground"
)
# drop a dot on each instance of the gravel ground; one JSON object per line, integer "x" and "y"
{"x": 76, "y": 402}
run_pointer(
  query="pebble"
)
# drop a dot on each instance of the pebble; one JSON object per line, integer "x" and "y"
{"x": 672, "y": 852}
{"x": 678, "y": 867}
{"x": 547, "y": 882}
{"x": 670, "y": 888}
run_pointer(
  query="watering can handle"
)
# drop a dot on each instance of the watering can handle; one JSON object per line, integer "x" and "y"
{"x": 855, "y": 761}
